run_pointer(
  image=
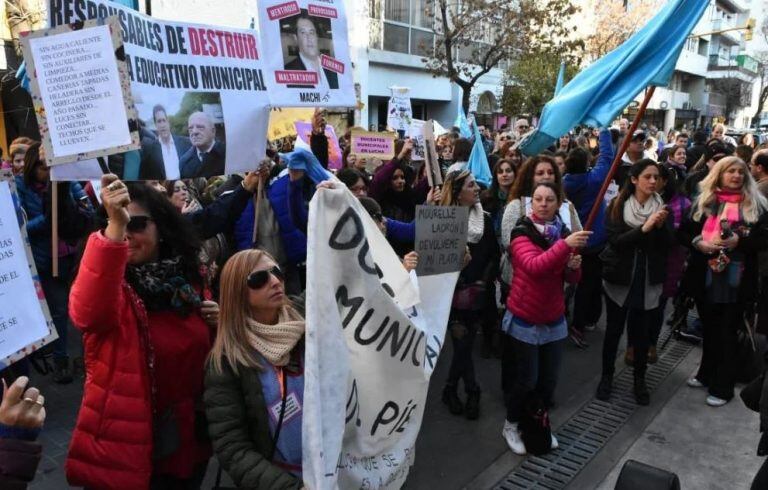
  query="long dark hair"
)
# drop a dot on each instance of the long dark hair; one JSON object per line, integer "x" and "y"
{"x": 637, "y": 168}
{"x": 176, "y": 235}
{"x": 524, "y": 180}
{"x": 31, "y": 162}
{"x": 490, "y": 197}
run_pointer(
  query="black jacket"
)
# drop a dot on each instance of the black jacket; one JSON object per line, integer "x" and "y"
{"x": 191, "y": 167}
{"x": 298, "y": 65}
{"x": 485, "y": 257}
{"x": 618, "y": 257}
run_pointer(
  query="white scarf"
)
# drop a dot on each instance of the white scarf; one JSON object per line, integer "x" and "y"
{"x": 476, "y": 224}
{"x": 275, "y": 342}
{"x": 636, "y": 214}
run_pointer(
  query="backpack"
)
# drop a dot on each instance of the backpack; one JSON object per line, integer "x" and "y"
{"x": 534, "y": 426}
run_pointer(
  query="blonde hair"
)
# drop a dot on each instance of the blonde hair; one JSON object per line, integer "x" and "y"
{"x": 753, "y": 204}
{"x": 452, "y": 185}
{"x": 231, "y": 342}
{"x": 719, "y": 125}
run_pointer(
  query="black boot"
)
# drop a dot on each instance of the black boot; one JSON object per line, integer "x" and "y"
{"x": 642, "y": 397}
{"x": 472, "y": 408}
{"x": 451, "y": 398}
{"x": 61, "y": 372}
{"x": 604, "y": 388}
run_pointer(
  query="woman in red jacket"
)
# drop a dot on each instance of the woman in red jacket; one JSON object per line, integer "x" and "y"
{"x": 138, "y": 298}
{"x": 543, "y": 259}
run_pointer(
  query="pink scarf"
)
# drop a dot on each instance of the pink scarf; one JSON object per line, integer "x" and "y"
{"x": 728, "y": 203}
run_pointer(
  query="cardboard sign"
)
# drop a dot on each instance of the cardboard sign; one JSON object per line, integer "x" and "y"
{"x": 441, "y": 238}
{"x": 25, "y": 321}
{"x": 368, "y": 144}
{"x": 374, "y": 334}
{"x": 199, "y": 90}
{"x": 431, "y": 158}
{"x": 80, "y": 92}
{"x": 312, "y": 66}
{"x": 416, "y": 133}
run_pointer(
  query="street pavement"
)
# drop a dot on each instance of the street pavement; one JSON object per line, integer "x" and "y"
{"x": 708, "y": 448}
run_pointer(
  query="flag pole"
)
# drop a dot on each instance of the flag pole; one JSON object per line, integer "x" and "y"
{"x": 617, "y": 159}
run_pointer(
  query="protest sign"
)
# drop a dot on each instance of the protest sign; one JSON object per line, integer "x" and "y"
{"x": 431, "y": 158}
{"x": 304, "y": 132}
{"x": 80, "y": 93}
{"x": 313, "y": 67}
{"x": 371, "y": 346}
{"x": 399, "y": 112}
{"x": 441, "y": 238}
{"x": 367, "y": 144}
{"x": 416, "y": 133}
{"x": 199, "y": 90}
{"x": 282, "y": 119}
{"x": 25, "y": 322}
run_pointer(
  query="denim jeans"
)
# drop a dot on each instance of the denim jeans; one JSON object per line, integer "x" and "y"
{"x": 56, "y": 291}
{"x": 534, "y": 368}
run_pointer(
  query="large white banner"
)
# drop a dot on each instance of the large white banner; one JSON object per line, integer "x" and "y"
{"x": 374, "y": 333}
{"x": 200, "y": 92}
{"x": 312, "y": 65}
{"x": 25, "y": 322}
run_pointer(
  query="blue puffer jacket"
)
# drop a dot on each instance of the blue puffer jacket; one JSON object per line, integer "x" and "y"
{"x": 294, "y": 240}
{"x": 582, "y": 190}
{"x": 38, "y": 227}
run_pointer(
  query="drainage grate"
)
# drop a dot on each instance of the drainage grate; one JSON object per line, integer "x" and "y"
{"x": 585, "y": 434}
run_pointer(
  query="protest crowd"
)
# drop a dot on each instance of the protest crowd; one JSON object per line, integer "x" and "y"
{"x": 192, "y": 292}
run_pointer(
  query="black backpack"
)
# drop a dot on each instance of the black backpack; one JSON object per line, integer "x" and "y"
{"x": 534, "y": 426}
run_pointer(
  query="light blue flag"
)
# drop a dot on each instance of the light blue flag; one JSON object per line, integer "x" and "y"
{"x": 560, "y": 78}
{"x": 21, "y": 75}
{"x": 596, "y": 95}
{"x": 462, "y": 123}
{"x": 478, "y": 161}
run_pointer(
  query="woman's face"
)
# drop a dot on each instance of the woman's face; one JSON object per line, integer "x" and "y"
{"x": 42, "y": 173}
{"x": 543, "y": 173}
{"x": 718, "y": 132}
{"x": 470, "y": 192}
{"x": 648, "y": 181}
{"x": 505, "y": 175}
{"x": 560, "y": 162}
{"x": 398, "y": 181}
{"x": 180, "y": 194}
{"x": 18, "y": 163}
{"x": 564, "y": 140}
{"x": 544, "y": 203}
{"x": 351, "y": 159}
{"x": 270, "y": 296}
{"x": 447, "y": 152}
{"x": 360, "y": 163}
{"x": 679, "y": 156}
{"x": 515, "y": 158}
{"x": 143, "y": 238}
{"x": 359, "y": 189}
{"x": 732, "y": 178}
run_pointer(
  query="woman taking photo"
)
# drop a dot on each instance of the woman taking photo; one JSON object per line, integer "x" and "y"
{"x": 474, "y": 291}
{"x": 728, "y": 226}
{"x": 634, "y": 270}
{"x": 543, "y": 258}
{"x": 256, "y": 364}
{"x": 140, "y": 302}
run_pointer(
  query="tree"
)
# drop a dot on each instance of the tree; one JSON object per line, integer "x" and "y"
{"x": 474, "y": 36}
{"x": 615, "y": 21}
{"x": 762, "y": 60}
{"x": 530, "y": 81}
{"x": 733, "y": 92}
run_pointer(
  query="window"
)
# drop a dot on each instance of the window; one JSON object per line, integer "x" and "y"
{"x": 408, "y": 26}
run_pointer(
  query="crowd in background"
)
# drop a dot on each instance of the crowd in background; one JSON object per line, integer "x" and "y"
{"x": 189, "y": 293}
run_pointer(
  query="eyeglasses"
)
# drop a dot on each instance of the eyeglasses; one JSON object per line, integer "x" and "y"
{"x": 259, "y": 279}
{"x": 137, "y": 224}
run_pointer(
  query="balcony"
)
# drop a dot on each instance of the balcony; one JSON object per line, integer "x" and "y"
{"x": 730, "y": 37}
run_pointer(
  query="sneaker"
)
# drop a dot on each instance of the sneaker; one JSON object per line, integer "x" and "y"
{"x": 590, "y": 327}
{"x": 512, "y": 436}
{"x": 604, "y": 388}
{"x": 451, "y": 398}
{"x": 577, "y": 338}
{"x": 714, "y": 401}
{"x": 694, "y": 383}
{"x": 554, "y": 444}
{"x": 629, "y": 356}
{"x": 692, "y": 333}
{"x": 61, "y": 372}
{"x": 653, "y": 355}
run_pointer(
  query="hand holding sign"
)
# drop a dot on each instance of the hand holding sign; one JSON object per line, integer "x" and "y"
{"x": 115, "y": 199}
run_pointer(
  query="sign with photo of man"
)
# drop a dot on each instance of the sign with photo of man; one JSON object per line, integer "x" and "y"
{"x": 313, "y": 67}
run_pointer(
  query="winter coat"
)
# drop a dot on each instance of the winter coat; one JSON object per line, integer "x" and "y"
{"x": 536, "y": 295}
{"x": 18, "y": 462}
{"x": 582, "y": 190}
{"x": 485, "y": 257}
{"x": 238, "y": 424}
{"x": 112, "y": 444}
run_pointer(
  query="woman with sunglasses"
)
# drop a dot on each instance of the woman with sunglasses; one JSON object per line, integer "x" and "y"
{"x": 147, "y": 321}
{"x": 474, "y": 291}
{"x": 75, "y": 213}
{"x": 256, "y": 368}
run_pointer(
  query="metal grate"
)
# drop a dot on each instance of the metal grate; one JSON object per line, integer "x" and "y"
{"x": 585, "y": 434}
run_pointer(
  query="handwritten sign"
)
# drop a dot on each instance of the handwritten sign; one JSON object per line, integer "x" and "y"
{"x": 25, "y": 322}
{"x": 367, "y": 144}
{"x": 441, "y": 238}
{"x": 399, "y": 112}
{"x": 82, "y": 103}
{"x": 304, "y": 133}
{"x": 416, "y": 133}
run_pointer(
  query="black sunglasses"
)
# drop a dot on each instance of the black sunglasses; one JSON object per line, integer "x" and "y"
{"x": 259, "y": 279}
{"x": 137, "y": 224}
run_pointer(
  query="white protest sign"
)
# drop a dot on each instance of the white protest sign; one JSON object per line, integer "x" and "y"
{"x": 369, "y": 357}
{"x": 416, "y": 133}
{"x": 611, "y": 192}
{"x": 25, "y": 322}
{"x": 199, "y": 90}
{"x": 313, "y": 65}
{"x": 399, "y": 112}
{"x": 83, "y": 107}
